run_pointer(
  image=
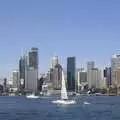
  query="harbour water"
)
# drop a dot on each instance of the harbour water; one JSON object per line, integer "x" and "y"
{"x": 88, "y": 108}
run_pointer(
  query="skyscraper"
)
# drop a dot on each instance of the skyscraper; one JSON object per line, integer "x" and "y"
{"x": 28, "y": 67}
{"x": 71, "y": 67}
{"x": 33, "y": 58}
{"x": 82, "y": 79}
{"x": 57, "y": 77}
{"x": 90, "y": 65}
{"x": 15, "y": 78}
{"x": 94, "y": 78}
{"x": 115, "y": 63}
{"x": 22, "y": 70}
{"x": 31, "y": 70}
{"x": 55, "y": 61}
{"x": 117, "y": 74}
{"x": 107, "y": 75}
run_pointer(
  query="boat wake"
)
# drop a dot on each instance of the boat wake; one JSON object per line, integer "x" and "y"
{"x": 86, "y": 103}
{"x": 64, "y": 97}
{"x": 64, "y": 102}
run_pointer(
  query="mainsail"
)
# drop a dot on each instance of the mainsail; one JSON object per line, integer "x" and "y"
{"x": 63, "y": 88}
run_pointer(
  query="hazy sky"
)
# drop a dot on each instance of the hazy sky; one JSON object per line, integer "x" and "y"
{"x": 87, "y": 29}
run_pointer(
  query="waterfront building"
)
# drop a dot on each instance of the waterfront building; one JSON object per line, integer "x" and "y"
{"x": 33, "y": 58}
{"x": 16, "y": 79}
{"x": 28, "y": 67}
{"x": 117, "y": 74}
{"x": 81, "y": 79}
{"x": 22, "y": 71}
{"x": 31, "y": 80}
{"x": 94, "y": 78}
{"x": 107, "y": 76}
{"x": 115, "y": 63}
{"x": 90, "y": 66}
{"x": 71, "y": 69}
{"x": 57, "y": 77}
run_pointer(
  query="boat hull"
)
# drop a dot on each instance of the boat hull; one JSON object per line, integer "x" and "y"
{"x": 64, "y": 102}
{"x": 32, "y": 97}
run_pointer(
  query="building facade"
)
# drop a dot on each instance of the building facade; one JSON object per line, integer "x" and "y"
{"x": 57, "y": 77}
{"x": 33, "y": 58}
{"x": 71, "y": 68}
{"x": 94, "y": 78}
{"x": 118, "y": 80}
{"x": 115, "y": 63}
{"x": 16, "y": 79}
{"x": 107, "y": 76}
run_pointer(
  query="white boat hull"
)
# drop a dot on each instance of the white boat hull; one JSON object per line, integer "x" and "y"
{"x": 64, "y": 102}
{"x": 32, "y": 97}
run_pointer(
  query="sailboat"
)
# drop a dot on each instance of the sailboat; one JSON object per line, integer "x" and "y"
{"x": 64, "y": 97}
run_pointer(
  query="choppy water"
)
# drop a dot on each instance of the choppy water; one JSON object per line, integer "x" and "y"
{"x": 20, "y": 108}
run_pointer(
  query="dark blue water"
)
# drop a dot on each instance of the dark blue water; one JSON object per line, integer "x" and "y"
{"x": 20, "y": 108}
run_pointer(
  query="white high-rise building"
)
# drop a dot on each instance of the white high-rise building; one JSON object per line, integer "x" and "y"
{"x": 90, "y": 66}
{"x": 115, "y": 63}
{"x": 94, "y": 78}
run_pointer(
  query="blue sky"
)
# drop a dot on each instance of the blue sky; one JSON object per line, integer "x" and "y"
{"x": 87, "y": 29}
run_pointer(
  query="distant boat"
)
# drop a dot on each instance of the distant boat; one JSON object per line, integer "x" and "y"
{"x": 64, "y": 97}
{"x": 98, "y": 94}
{"x": 32, "y": 96}
{"x": 86, "y": 103}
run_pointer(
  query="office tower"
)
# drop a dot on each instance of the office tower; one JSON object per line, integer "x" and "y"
{"x": 31, "y": 70}
{"x": 57, "y": 77}
{"x": 94, "y": 78}
{"x": 115, "y": 63}
{"x": 71, "y": 68}
{"x": 107, "y": 76}
{"x": 31, "y": 80}
{"x": 33, "y": 58}
{"x": 90, "y": 65}
{"x": 22, "y": 71}
{"x": 55, "y": 61}
{"x": 117, "y": 74}
{"x": 16, "y": 79}
{"x": 82, "y": 79}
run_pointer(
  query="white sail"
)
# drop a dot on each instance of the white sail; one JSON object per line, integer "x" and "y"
{"x": 63, "y": 88}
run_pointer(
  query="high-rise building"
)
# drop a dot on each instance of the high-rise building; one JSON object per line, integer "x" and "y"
{"x": 82, "y": 79}
{"x": 115, "y": 63}
{"x": 16, "y": 79}
{"x": 28, "y": 67}
{"x": 117, "y": 74}
{"x": 57, "y": 77}
{"x": 90, "y": 65}
{"x": 31, "y": 80}
{"x": 107, "y": 75}
{"x": 55, "y": 61}
{"x": 71, "y": 68}
{"x": 22, "y": 70}
{"x": 94, "y": 78}
{"x": 33, "y": 58}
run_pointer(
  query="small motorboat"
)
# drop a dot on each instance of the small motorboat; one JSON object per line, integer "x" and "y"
{"x": 32, "y": 96}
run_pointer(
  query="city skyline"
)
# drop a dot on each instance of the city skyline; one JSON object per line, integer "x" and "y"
{"x": 80, "y": 29}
